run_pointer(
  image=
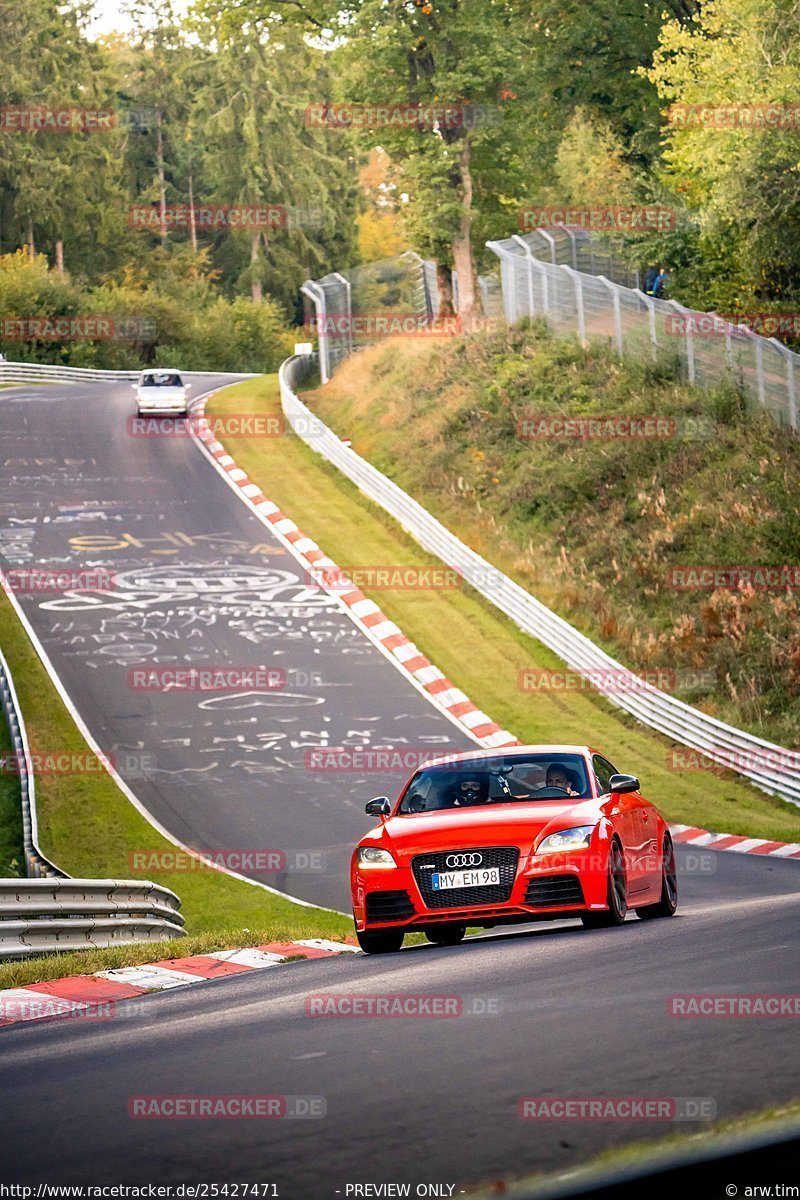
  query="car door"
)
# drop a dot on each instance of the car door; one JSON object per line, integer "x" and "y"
{"x": 627, "y": 819}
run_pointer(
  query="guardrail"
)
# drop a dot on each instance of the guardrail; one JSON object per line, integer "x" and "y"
{"x": 43, "y": 916}
{"x": 14, "y": 372}
{"x": 771, "y": 767}
{"x": 36, "y": 864}
{"x": 48, "y": 911}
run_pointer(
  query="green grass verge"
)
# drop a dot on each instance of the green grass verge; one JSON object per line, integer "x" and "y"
{"x": 12, "y": 856}
{"x": 595, "y": 527}
{"x": 479, "y": 649}
{"x": 643, "y": 1154}
{"x": 87, "y": 962}
{"x": 89, "y": 828}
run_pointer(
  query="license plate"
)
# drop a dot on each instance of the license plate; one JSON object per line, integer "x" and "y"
{"x": 478, "y": 877}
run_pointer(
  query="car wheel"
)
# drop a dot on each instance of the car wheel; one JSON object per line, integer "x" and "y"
{"x": 446, "y": 935}
{"x": 668, "y": 903}
{"x": 385, "y": 942}
{"x": 617, "y": 893}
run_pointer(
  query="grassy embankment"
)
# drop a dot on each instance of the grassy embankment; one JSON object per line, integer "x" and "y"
{"x": 479, "y": 649}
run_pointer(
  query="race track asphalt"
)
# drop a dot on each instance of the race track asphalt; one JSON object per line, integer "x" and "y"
{"x": 199, "y": 580}
{"x": 568, "y": 1012}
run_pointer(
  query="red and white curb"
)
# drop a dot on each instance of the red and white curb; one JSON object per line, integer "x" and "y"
{"x": 425, "y": 675}
{"x": 96, "y": 996}
{"x": 366, "y": 613}
{"x": 691, "y": 835}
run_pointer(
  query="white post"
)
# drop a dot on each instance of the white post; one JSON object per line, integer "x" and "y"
{"x": 348, "y": 293}
{"x": 689, "y": 337}
{"x": 790, "y": 388}
{"x": 791, "y": 393}
{"x": 762, "y": 398}
{"x": 529, "y": 259}
{"x": 317, "y": 295}
{"x": 576, "y": 279}
{"x": 651, "y": 312}
{"x": 612, "y": 287}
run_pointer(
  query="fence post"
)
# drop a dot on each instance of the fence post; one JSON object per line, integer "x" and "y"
{"x": 791, "y": 394}
{"x": 790, "y": 388}
{"x": 529, "y": 260}
{"x": 688, "y": 337}
{"x": 576, "y": 279}
{"x": 762, "y": 397}
{"x": 548, "y": 237}
{"x": 612, "y": 287}
{"x": 349, "y": 294}
{"x": 574, "y": 247}
{"x": 651, "y": 312}
{"x": 316, "y": 295}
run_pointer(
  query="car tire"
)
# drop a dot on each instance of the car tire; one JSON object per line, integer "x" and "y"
{"x": 668, "y": 903}
{"x": 617, "y": 893}
{"x": 385, "y": 942}
{"x": 446, "y": 935}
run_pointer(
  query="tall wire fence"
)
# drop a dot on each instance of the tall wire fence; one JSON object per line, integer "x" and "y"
{"x": 350, "y": 309}
{"x": 600, "y": 298}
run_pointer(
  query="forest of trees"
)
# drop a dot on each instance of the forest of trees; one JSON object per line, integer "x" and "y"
{"x": 209, "y": 106}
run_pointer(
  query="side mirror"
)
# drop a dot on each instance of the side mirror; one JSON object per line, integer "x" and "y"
{"x": 134, "y": 387}
{"x": 379, "y": 807}
{"x": 623, "y": 783}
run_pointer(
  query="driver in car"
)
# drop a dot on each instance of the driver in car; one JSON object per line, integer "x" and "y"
{"x": 468, "y": 792}
{"x": 559, "y": 777}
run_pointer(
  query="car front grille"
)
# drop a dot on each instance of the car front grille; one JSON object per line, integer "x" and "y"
{"x": 389, "y": 906}
{"x": 550, "y": 891}
{"x": 426, "y": 865}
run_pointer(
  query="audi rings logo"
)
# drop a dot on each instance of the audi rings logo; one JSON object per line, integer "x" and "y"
{"x": 464, "y": 860}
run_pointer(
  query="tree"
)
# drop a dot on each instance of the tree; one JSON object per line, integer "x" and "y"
{"x": 742, "y": 183}
{"x": 469, "y": 56}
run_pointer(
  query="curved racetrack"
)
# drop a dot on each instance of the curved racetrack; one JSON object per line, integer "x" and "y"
{"x": 568, "y": 1012}
{"x": 199, "y": 580}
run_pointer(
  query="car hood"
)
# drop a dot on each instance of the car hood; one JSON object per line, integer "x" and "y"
{"x": 517, "y": 824}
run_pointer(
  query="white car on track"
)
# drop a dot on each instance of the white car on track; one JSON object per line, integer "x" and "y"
{"x": 161, "y": 391}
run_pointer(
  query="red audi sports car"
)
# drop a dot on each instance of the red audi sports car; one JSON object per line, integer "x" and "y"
{"x": 503, "y": 837}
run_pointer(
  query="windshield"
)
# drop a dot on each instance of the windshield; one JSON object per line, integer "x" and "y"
{"x": 161, "y": 379}
{"x": 497, "y": 781}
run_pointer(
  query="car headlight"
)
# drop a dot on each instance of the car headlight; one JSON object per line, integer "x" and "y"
{"x": 374, "y": 859}
{"x": 567, "y": 839}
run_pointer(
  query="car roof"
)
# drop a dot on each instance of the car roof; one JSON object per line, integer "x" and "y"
{"x": 516, "y": 751}
{"x": 160, "y": 371}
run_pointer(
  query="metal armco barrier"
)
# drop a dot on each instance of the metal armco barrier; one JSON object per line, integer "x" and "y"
{"x": 47, "y": 373}
{"x": 37, "y": 865}
{"x": 42, "y": 916}
{"x": 13, "y": 372}
{"x": 48, "y": 911}
{"x": 770, "y": 767}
